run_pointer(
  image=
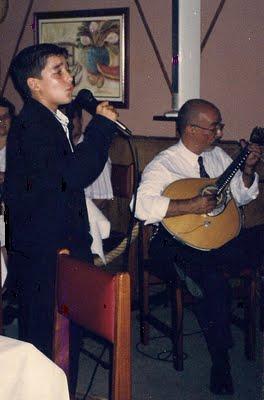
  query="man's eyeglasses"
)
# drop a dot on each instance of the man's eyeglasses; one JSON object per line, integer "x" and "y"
{"x": 217, "y": 128}
{"x": 4, "y": 118}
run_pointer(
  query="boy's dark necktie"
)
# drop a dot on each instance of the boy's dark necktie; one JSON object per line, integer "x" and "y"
{"x": 203, "y": 173}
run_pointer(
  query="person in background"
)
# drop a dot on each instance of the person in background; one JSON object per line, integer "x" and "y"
{"x": 200, "y": 126}
{"x": 7, "y": 112}
{"x": 44, "y": 189}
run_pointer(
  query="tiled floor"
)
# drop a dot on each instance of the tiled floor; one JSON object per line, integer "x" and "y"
{"x": 157, "y": 380}
{"x": 153, "y": 377}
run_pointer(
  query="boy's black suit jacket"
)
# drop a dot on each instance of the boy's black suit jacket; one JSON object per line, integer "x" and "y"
{"x": 44, "y": 184}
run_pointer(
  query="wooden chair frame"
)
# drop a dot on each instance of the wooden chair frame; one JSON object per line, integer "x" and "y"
{"x": 146, "y": 278}
{"x": 100, "y": 302}
{"x": 123, "y": 182}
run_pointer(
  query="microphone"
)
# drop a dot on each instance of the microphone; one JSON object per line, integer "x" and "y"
{"x": 86, "y": 100}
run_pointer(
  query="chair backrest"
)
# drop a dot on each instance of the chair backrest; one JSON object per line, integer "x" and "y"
{"x": 100, "y": 302}
{"x": 123, "y": 183}
{"x": 122, "y": 178}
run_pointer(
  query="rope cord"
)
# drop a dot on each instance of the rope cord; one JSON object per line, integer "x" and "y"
{"x": 131, "y": 224}
{"x": 118, "y": 250}
{"x": 133, "y": 228}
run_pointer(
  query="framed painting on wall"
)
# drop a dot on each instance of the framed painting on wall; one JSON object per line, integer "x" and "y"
{"x": 97, "y": 44}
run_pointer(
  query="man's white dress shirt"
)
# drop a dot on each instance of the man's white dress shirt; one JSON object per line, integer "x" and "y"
{"x": 3, "y": 159}
{"x": 177, "y": 162}
{"x": 101, "y": 188}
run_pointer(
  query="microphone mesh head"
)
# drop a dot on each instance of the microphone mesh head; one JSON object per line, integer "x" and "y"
{"x": 87, "y": 101}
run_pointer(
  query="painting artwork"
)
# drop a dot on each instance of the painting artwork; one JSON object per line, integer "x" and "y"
{"x": 96, "y": 41}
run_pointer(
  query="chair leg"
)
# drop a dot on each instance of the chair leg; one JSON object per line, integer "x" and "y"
{"x": 177, "y": 325}
{"x": 250, "y": 319}
{"x": 144, "y": 307}
{"x": 132, "y": 268}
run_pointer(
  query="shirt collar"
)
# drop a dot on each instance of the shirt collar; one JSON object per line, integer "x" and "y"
{"x": 64, "y": 123}
{"x": 62, "y": 118}
{"x": 188, "y": 154}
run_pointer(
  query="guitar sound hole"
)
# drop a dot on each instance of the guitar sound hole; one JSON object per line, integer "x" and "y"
{"x": 220, "y": 199}
{"x": 210, "y": 189}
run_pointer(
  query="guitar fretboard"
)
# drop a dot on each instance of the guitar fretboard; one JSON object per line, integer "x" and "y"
{"x": 228, "y": 174}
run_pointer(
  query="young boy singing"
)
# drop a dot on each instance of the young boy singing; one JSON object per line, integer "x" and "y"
{"x": 44, "y": 185}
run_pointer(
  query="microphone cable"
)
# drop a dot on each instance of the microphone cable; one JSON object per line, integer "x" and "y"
{"x": 132, "y": 219}
{"x": 94, "y": 373}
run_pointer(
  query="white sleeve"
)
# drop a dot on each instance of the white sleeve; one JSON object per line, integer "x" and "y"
{"x": 151, "y": 206}
{"x": 101, "y": 188}
{"x": 240, "y": 192}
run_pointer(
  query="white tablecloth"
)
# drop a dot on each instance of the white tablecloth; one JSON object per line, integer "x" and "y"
{"x": 26, "y": 374}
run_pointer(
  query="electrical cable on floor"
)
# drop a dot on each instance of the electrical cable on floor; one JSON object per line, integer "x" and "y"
{"x": 168, "y": 353}
{"x": 164, "y": 355}
{"x": 94, "y": 373}
{"x": 159, "y": 357}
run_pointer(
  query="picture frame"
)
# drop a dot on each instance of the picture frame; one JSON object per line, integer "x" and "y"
{"x": 97, "y": 44}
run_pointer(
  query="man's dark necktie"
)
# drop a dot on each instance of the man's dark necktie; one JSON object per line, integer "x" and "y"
{"x": 203, "y": 173}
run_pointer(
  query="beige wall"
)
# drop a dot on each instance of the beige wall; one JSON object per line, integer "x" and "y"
{"x": 232, "y": 68}
{"x": 231, "y": 64}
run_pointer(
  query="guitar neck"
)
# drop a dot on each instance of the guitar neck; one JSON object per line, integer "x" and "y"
{"x": 228, "y": 174}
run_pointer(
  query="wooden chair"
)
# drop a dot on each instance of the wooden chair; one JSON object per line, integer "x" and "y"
{"x": 178, "y": 296}
{"x": 148, "y": 277}
{"x": 99, "y": 302}
{"x": 122, "y": 242}
{"x": 245, "y": 290}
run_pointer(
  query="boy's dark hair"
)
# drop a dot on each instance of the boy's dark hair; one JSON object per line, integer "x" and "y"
{"x": 29, "y": 63}
{"x": 189, "y": 111}
{"x": 7, "y": 104}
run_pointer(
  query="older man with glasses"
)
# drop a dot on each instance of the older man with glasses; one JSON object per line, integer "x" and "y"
{"x": 196, "y": 155}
